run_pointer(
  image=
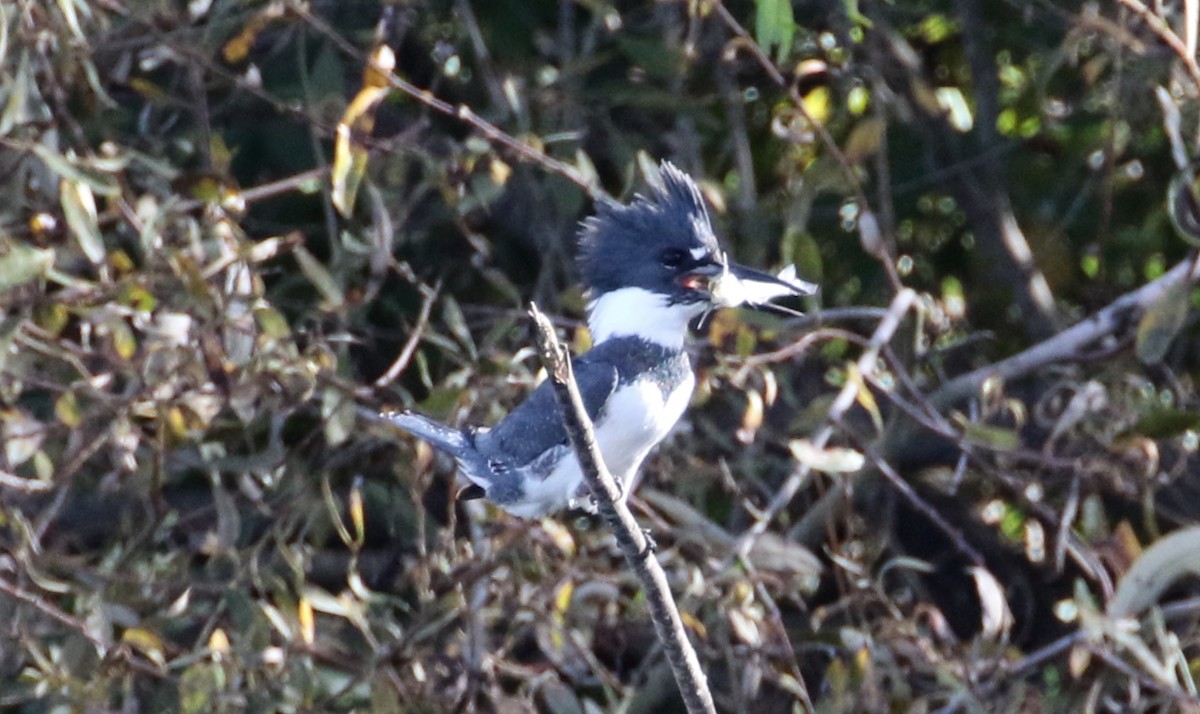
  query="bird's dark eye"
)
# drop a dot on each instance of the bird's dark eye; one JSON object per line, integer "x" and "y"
{"x": 671, "y": 257}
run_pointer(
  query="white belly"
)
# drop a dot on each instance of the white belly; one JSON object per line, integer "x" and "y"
{"x": 634, "y": 420}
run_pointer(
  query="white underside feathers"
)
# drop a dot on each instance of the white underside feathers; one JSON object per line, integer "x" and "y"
{"x": 637, "y": 312}
{"x": 635, "y": 419}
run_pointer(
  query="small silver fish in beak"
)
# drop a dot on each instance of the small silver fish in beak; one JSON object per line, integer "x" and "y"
{"x": 738, "y": 285}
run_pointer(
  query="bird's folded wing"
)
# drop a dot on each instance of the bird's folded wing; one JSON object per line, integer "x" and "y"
{"x": 536, "y": 425}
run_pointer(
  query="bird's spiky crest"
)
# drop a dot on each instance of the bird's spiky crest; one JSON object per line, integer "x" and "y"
{"x": 673, "y": 213}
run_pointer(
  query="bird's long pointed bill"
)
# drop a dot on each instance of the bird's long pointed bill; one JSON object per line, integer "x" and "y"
{"x": 739, "y": 285}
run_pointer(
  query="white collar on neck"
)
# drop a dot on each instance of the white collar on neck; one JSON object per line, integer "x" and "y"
{"x": 637, "y": 312}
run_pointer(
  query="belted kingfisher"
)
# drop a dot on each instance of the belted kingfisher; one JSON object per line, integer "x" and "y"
{"x": 649, "y": 268}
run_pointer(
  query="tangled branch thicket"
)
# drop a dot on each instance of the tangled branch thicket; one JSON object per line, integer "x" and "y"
{"x": 967, "y": 479}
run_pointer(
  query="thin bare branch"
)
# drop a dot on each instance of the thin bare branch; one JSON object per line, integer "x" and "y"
{"x": 462, "y": 112}
{"x": 887, "y": 327}
{"x": 428, "y": 296}
{"x": 635, "y": 546}
{"x": 1159, "y": 26}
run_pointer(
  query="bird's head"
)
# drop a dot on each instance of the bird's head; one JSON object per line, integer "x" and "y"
{"x": 657, "y": 257}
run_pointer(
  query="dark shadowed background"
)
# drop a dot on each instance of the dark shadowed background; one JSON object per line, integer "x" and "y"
{"x": 192, "y": 518}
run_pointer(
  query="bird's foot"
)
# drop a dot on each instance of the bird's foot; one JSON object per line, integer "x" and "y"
{"x": 651, "y": 544}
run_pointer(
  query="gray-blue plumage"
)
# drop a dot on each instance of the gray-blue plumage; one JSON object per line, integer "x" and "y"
{"x": 536, "y": 425}
{"x": 649, "y": 268}
{"x": 511, "y": 460}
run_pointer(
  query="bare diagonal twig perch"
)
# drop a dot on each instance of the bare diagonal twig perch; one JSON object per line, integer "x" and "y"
{"x": 693, "y": 684}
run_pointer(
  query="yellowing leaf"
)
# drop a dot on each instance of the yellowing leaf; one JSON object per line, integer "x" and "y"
{"x": 378, "y": 73}
{"x": 746, "y": 340}
{"x": 146, "y": 642}
{"x": 218, "y": 642}
{"x": 581, "y": 339}
{"x": 560, "y": 536}
{"x": 693, "y": 624}
{"x": 830, "y": 459}
{"x": 349, "y": 155}
{"x": 176, "y": 423}
{"x": 562, "y": 596}
{"x": 148, "y": 89}
{"x": 137, "y": 297}
{"x": 123, "y": 340}
{"x": 863, "y": 395}
{"x": 752, "y": 417}
{"x": 862, "y": 660}
{"x": 308, "y": 624}
{"x": 499, "y": 171}
{"x": 52, "y": 318}
{"x": 865, "y": 139}
{"x": 79, "y": 208}
{"x": 238, "y": 48}
{"x": 357, "y": 519}
{"x": 925, "y": 96}
{"x": 818, "y": 104}
{"x": 66, "y": 408}
{"x": 349, "y": 167}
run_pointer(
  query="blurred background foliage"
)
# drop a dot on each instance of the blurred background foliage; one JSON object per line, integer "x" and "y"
{"x": 193, "y": 519}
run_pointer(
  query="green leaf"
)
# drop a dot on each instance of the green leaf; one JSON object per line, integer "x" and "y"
{"x": 1166, "y": 423}
{"x": 1161, "y": 323}
{"x": 321, "y": 279}
{"x": 23, "y": 264}
{"x": 457, "y": 322}
{"x": 775, "y": 26}
{"x": 68, "y": 171}
{"x": 272, "y": 323}
{"x": 16, "y": 109}
{"x": 199, "y": 686}
{"x": 338, "y": 415}
{"x": 993, "y": 437}
{"x": 137, "y": 297}
{"x": 1183, "y": 204}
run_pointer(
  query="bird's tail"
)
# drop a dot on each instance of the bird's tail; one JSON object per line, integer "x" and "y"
{"x": 454, "y": 442}
{"x": 445, "y": 438}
